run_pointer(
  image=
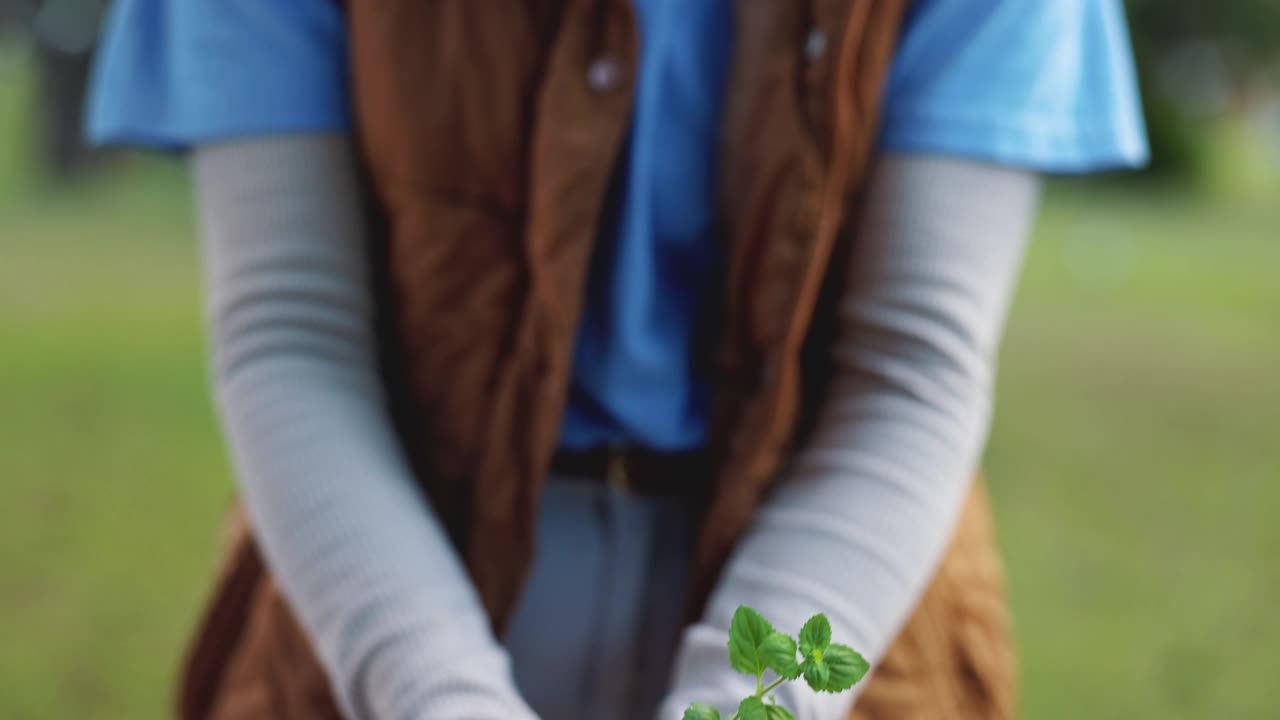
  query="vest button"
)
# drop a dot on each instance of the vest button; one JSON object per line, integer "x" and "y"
{"x": 815, "y": 45}
{"x": 604, "y": 74}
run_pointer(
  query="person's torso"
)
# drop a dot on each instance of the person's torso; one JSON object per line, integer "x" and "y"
{"x": 492, "y": 132}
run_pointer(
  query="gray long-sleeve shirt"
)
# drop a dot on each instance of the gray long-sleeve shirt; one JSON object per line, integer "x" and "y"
{"x": 855, "y": 529}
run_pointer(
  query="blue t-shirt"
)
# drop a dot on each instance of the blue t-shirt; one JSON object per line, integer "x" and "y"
{"x": 1047, "y": 85}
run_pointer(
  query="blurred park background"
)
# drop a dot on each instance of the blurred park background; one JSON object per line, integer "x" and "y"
{"x": 1135, "y": 459}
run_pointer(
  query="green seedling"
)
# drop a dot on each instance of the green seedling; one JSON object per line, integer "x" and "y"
{"x": 754, "y": 647}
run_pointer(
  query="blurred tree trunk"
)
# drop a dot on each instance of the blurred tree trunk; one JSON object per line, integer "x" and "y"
{"x": 59, "y": 108}
{"x": 63, "y": 35}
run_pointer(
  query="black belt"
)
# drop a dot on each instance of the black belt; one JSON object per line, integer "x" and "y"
{"x": 636, "y": 470}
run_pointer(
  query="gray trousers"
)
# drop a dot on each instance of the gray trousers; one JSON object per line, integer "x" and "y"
{"x": 595, "y": 631}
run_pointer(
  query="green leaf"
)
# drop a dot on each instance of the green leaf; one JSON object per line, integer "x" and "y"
{"x": 835, "y": 670}
{"x": 779, "y": 655}
{"x": 815, "y": 635}
{"x": 698, "y": 711}
{"x": 816, "y": 672}
{"x": 847, "y": 667}
{"x": 747, "y": 633}
{"x": 753, "y": 708}
{"x": 777, "y": 712}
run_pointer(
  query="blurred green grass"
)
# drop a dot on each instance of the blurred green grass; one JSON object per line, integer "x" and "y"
{"x": 1134, "y": 460}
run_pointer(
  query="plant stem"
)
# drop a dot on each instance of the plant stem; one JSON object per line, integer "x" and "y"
{"x": 771, "y": 686}
{"x": 761, "y": 691}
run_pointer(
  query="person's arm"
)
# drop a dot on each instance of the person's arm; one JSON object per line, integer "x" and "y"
{"x": 864, "y": 511}
{"x": 354, "y": 545}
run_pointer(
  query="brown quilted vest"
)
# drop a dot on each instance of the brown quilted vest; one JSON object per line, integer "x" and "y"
{"x": 490, "y": 129}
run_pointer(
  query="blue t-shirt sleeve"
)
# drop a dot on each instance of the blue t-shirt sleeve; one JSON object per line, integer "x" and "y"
{"x": 1043, "y": 84}
{"x": 173, "y": 73}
